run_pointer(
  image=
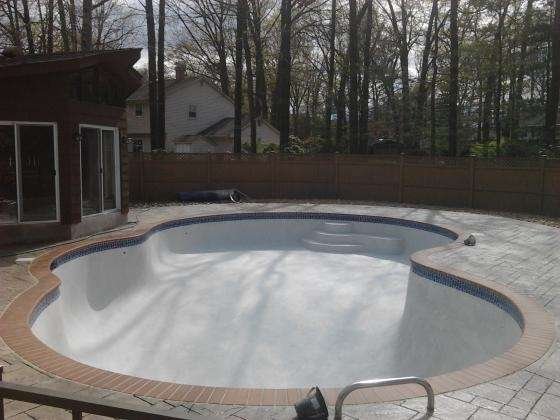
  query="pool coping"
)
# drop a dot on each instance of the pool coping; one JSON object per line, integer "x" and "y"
{"x": 538, "y": 334}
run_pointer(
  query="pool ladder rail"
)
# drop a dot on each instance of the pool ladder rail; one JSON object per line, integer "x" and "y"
{"x": 374, "y": 383}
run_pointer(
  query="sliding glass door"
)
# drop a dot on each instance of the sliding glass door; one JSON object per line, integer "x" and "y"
{"x": 91, "y": 171}
{"x": 38, "y": 173}
{"x": 28, "y": 172}
{"x": 100, "y": 180}
{"x": 8, "y": 175}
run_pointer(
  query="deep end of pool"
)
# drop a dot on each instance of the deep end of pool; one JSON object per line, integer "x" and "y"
{"x": 271, "y": 301}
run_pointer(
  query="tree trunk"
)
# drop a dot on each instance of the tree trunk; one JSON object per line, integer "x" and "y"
{"x": 261, "y": 101}
{"x": 250, "y": 90}
{"x": 239, "y": 35}
{"x": 498, "y": 42}
{"x": 341, "y": 106}
{"x": 422, "y": 94}
{"x": 63, "y": 26}
{"x": 161, "y": 75}
{"x": 73, "y": 25}
{"x": 433, "y": 90}
{"x": 152, "y": 76}
{"x": 13, "y": 16}
{"x": 353, "y": 78}
{"x": 364, "y": 97}
{"x": 224, "y": 75}
{"x": 330, "y": 81}
{"x": 551, "y": 112}
{"x": 283, "y": 76}
{"x": 519, "y": 84}
{"x": 28, "y": 29}
{"x": 453, "y": 77}
{"x": 487, "y": 107}
{"x": 50, "y": 26}
{"x": 405, "y": 109}
{"x": 87, "y": 30}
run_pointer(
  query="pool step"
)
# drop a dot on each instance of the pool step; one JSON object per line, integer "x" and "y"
{"x": 355, "y": 242}
{"x": 337, "y": 227}
{"x": 334, "y": 248}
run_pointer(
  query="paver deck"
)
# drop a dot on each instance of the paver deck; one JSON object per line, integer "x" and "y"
{"x": 524, "y": 256}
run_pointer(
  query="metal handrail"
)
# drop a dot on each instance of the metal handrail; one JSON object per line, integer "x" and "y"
{"x": 78, "y": 405}
{"x": 373, "y": 383}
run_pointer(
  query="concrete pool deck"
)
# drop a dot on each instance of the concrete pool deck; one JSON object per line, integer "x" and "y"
{"x": 521, "y": 255}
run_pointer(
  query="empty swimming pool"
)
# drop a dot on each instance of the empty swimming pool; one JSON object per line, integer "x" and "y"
{"x": 272, "y": 300}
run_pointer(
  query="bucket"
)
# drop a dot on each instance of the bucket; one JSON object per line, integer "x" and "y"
{"x": 312, "y": 407}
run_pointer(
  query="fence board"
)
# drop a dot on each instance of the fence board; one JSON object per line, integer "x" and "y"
{"x": 517, "y": 185}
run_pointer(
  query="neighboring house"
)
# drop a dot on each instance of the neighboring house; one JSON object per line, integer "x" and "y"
{"x": 532, "y": 128}
{"x": 198, "y": 118}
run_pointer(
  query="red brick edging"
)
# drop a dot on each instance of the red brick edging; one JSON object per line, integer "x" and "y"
{"x": 537, "y": 336}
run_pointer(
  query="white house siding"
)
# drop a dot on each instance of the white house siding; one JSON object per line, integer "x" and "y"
{"x": 137, "y": 125}
{"x": 211, "y": 107}
{"x": 265, "y": 134}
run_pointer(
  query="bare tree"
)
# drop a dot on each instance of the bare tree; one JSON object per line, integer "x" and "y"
{"x": 281, "y": 104}
{"x": 331, "y": 70}
{"x": 255, "y": 20}
{"x": 239, "y": 36}
{"x": 250, "y": 90}
{"x": 353, "y": 77}
{"x": 422, "y": 92}
{"x": 554, "y": 84}
{"x": 207, "y": 28}
{"x": 364, "y": 95}
{"x": 28, "y": 30}
{"x": 63, "y": 26}
{"x": 453, "y": 77}
{"x": 161, "y": 74}
{"x": 152, "y": 76}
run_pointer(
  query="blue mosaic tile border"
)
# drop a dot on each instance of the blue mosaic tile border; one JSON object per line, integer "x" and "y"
{"x": 42, "y": 305}
{"x": 123, "y": 243}
{"x": 474, "y": 289}
{"x": 443, "y": 278}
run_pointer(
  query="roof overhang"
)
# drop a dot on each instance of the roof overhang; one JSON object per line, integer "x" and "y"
{"x": 119, "y": 62}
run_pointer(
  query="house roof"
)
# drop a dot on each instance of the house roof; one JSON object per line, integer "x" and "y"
{"x": 222, "y": 128}
{"x": 225, "y": 127}
{"x": 119, "y": 62}
{"x": 142, "y": 94}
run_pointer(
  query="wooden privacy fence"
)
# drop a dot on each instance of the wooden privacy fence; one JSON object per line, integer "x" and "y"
{"x": 512, "y": 184}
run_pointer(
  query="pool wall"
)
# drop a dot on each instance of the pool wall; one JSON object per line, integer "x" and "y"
{"x": 15, "y": 324}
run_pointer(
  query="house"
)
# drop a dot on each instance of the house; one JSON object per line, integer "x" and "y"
{"x": 62, "y": 117}
{"x": 198, "y": 118}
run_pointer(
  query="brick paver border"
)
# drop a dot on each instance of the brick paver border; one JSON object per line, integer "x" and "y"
{"x": 537, "y": 336}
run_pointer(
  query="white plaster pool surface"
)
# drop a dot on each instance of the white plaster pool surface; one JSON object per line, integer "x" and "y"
{"x": 253, "y": 304}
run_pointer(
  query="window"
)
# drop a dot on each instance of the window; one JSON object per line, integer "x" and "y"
{"x": 99, "y": 160}
{"x": 139, "y": 110}
{"x": 28, "y": 172}
{"x": 182, "y": 148}
{"x": 192, "y": 112}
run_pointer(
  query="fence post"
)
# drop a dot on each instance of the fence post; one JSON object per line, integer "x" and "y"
{"x": 141, "y": 177}
{"x": 336, "y": 179}
{"x": 1, "y": 399}
{"x": 275, "y": 158}
{"x": 543, "y": 179}
{"x": 401, "y": 178}
{"x": 472, "y": 179}
{"x": 208, "y": 171}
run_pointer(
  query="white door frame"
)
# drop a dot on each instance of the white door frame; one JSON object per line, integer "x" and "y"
{"x": 17, "y": 147}
{"x": 116, "y": 146}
